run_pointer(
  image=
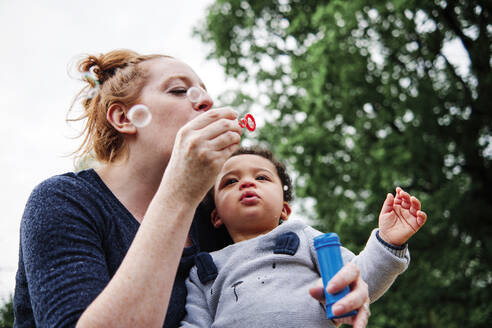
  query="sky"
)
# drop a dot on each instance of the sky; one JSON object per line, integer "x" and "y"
{"x": 39, "y": 40}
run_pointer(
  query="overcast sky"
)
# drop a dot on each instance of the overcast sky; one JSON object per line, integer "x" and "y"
{"x": 39, "y": 39}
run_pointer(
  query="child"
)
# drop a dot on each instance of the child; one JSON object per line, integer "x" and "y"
{"x": 260, "y": 280}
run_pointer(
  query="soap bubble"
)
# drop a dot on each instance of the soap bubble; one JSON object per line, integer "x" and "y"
{"x": 92, "y": 92}
{"x": 91, "y": 78}
{"x": 195, "y": 94}
{"x": 139, "y": 115}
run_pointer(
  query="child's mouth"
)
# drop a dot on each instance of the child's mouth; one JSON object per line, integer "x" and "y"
{"x": 249, "y": 197}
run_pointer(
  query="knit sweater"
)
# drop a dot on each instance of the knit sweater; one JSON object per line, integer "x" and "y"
{"x": 74, "y": 236}
{"x": 261, "y": 283}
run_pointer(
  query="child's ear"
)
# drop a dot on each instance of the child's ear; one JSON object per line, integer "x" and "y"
{"x": 215, "y": 218}
{"x": 286, "y": 210}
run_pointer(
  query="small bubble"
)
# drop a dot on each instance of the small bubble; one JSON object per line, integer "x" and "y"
{"x": 139, "y": 115}
{"x": 194, "y": 94}
{"x": 92, "y": 93}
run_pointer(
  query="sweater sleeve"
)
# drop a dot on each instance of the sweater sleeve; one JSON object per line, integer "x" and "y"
{"x": 379, "y": 266}
{"x": 197, "y": 311}
{"x": 61, "y": 243}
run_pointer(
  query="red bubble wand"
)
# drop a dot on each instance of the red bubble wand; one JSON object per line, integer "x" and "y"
{"x": 195, "y": 95}
{"x": 244, "y": 122}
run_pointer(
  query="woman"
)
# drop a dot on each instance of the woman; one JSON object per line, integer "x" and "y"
{"x": 111, "y": 246}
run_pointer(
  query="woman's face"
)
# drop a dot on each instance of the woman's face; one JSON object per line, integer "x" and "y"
{"x": 165, "y": 95}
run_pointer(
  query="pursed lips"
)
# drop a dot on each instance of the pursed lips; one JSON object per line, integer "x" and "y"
{"x": 248, "y": 194}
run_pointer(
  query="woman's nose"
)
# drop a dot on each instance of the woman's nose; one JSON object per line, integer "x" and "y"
{"x": 204, "y": 104}
{"x": 246, "y": 184}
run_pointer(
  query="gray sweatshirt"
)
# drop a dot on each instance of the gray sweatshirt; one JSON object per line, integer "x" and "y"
{"x": 257, "y": 286}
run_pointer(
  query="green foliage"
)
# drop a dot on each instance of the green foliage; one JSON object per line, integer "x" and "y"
{"x": 364, "y": 98}
{"x": 7, "y": 314}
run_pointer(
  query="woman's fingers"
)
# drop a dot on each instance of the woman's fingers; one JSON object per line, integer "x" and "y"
{"x": 357, "y": 299}
{"x": 201, "y": 148}
{"x": 317, "y": 291}
{"x": 362, "y": 317}
{"x": 212, "y": 116}
{"x": 218, "y": 128}
{"x": 225, "y": 140}
{"x": 348, "y": 274}
{"x": 353, "y": 300}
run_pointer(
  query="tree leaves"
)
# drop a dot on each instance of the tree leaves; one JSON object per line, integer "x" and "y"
{"x": 367, "y": 98}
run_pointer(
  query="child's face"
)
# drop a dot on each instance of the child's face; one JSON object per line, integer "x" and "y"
{"x": 249, "y": 197}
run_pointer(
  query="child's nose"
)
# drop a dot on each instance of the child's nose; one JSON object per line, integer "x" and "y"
{"x": 247, "y": 184}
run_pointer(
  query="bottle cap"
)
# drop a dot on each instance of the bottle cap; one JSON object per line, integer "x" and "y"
{"x": 327, "y": 239}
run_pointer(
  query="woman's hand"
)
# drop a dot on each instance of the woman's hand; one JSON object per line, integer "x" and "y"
{"x": 400, "y": 217}
{"x": 201, "y": 148}
{"x": 357, "y": 299}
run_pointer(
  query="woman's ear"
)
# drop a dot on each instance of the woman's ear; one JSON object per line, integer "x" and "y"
{"x": 286, "y": 210}
{"x": 117, "y": 117}
{"x": 215, "y": 218}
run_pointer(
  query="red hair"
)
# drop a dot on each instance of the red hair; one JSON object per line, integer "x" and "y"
{"x": 121, "y": 79}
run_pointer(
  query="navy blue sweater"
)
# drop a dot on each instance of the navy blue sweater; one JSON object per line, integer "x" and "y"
{"x": 74, "y": 235}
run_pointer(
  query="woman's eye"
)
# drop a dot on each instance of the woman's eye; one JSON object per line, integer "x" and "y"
{"x": 262, "y": 177}
{"x": 180, "y": 91}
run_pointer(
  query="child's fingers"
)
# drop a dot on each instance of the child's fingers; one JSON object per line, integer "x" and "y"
{"x": 398, "y": 196}
{"x": 405, "y": 199}
{"x": 421, "y": 218}
{"x": 415, "y": 206}
{"x": 388, "y": 204}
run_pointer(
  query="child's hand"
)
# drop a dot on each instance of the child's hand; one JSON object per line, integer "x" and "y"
{"x": 400, "y": 218}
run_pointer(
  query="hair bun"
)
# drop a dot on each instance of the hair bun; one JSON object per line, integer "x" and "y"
{"x": 104, "y": 66}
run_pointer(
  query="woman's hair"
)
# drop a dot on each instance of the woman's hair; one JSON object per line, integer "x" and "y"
{"x": 119, "y": 78}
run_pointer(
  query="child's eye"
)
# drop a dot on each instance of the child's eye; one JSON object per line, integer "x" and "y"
{"x": 262, "y": 177}
{"x": 229, "y": 181}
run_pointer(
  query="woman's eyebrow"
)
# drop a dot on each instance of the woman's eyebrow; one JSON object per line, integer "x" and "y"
{"x": 182, "y": 78}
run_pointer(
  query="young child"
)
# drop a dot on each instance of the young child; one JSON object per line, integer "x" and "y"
{"x": 261, "y": 279}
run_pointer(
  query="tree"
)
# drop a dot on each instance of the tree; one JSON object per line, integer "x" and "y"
{"x": 365, "y": 98}
{"x": 7, "y": 314}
